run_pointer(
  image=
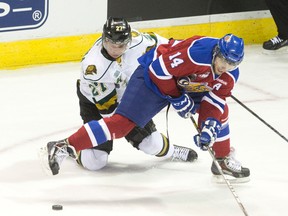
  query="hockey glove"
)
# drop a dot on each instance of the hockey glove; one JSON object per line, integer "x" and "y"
{"x": 183, "y": 105}
{"x": 208, "y": 135}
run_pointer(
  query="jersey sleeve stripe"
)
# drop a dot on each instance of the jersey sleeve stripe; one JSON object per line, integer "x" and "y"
{"x": 159, "y": 70}
{"x": 215, "y": 101}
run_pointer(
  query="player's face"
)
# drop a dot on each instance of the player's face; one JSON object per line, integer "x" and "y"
{"x": 221, "y": 65}
{"x": 115, "y": 50}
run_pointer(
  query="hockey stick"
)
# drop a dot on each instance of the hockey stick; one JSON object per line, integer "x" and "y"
{"x": 221, "y": 172}
{"x": 258, "y": 117}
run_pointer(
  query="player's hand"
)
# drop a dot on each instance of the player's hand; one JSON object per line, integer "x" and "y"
{"x": 208, "y": 135}
{"x": 183, "y": 105}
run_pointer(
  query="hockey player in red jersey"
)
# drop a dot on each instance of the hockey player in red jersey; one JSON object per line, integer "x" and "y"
{"x": 195, "y": 75}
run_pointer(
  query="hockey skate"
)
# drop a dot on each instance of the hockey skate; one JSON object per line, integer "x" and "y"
{"x": 57, "y": 153}
{"x": 184, "y": 154}
{"x": 231, "y": 168}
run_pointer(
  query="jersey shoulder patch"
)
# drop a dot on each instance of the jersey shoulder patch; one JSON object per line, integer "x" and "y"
{"x": 91, "y": 70}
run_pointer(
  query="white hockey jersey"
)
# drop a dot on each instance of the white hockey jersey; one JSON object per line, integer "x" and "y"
{"x": 103, "y": 81}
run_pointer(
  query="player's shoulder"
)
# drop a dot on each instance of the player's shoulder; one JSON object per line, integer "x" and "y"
{"x": 234, "y": 74}
{"x": 94, "y": 64}
{"x": 205, "y": 41}
{"x": 94, "y": 51}
{"x": 137, "y": 37}
{"x": 142, "y": 39}
{"x": 200, "y": 49}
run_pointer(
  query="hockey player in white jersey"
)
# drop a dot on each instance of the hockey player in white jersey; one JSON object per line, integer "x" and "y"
{"x": 106, "y": 69}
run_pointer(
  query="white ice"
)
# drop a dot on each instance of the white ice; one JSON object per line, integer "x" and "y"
{"x": 39, "y": 104}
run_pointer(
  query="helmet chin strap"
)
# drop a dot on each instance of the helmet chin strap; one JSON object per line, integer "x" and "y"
{"x": 216, "y": 51}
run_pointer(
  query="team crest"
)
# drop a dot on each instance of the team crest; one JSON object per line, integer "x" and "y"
{"x": 90, "y": 70}
{"x": 190, "y": 86}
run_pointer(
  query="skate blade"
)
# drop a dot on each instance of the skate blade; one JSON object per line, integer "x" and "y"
{"x": 43, "y": 158}
{"x": 177, "y": 160}
{"x": 220, "y": 180}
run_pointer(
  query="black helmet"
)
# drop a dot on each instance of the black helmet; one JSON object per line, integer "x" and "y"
{"x": 117, "y": 30}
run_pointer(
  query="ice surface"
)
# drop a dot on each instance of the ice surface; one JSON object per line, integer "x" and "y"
{"x": 39, "y": 104}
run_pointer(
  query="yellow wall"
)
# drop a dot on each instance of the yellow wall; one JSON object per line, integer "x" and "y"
{"x": 72, "y": 48}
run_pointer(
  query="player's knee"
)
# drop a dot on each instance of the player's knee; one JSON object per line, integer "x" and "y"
{"x": 137, "y": 135}
{"x": 93, "y": 159}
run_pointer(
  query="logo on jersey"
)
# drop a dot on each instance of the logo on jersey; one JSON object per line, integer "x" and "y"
{"x": 117, "y": 74}
{"x": 222, "y": 81}
{"x": 22, "y": 14}
{"x": 90, "y": 70}
{"x": 189, "y": 86}
{"x": 203, "y": 76}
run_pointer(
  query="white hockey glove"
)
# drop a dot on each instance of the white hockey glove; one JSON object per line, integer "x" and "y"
{"x": 208, "y": 135}
{"x": 183, "y": 105}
